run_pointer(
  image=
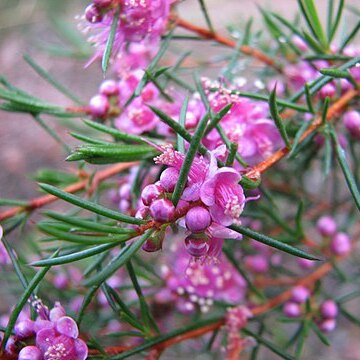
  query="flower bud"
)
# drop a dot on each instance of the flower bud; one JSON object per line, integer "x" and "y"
{"x": 93, "y": 14}
{"x": 305, "y": 263}
{"x": 300, "y": 294}
{"x": 24, "y": 329}
{"x": 328, "y": 309}
{"x": 292, "y": 309}
{"x": 150, "y": 193}
{"x": 351, "y": 121}
{"x": 169, "y": 178}
{"x": 327, "y": 90}
{"x": 326, "y": 226}
{"x": 99, "y": 106}
{"x": 109, "y": 88}
{"x": 142, "y": 213}
{"x": 197, "y": 219}
{"x": 57, "y": 312}
{"x": 30, "y": 353}
{"x": 327, "y": 325}
{"x": 162, "y": 210}
{"x": 257, "y": 263}
{"x": 340, "y": 244}
{"x": 155, "y": 242}
{"x": 197, "y": 245}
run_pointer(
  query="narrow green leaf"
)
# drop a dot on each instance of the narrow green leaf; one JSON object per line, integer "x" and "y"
{"x": 206, "y": 15}
{"x": 97, "y": 209}
{"x": 308, "y": 99}
{"x": 336, "y": 23}
{"x": 82, "y": 239}
{"x": 116, "y": 134}
{"x": 87, "y": 224}
{"x": 320, "y": 334}
{"x": 86, "y": 302}
{"x": 110, "y": 41}
{"x": 88, "y": 139}
{"x": 182, "y": 120}
{"x": 268, "y": 344}
{"x": 120, "y": 260}
{"x": 190, "y": 155}
{"x": 22, "y": 301}
{"x": 277, "y": 119}
{"x": 111, "y": 153}
{"x": 267, "y": 240}
{"x": 50, "y": 79}
{"x": 346, "y": 169}
{"x": 74, "y": 256}
{"x": 161, "y": 338}
{"x": 348, "y": 38}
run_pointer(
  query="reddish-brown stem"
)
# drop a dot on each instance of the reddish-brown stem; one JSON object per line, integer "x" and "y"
{"x": 47, "y": 199}
{"x": 207, "y": 34}
{"x": 278, "y": 155}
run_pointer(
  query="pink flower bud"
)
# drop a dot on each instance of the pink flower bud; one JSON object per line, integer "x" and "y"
{"x": 327, "y": 325}
{"x": 257, "y": 263}
{"x": 292, "y": 309}
{"x": 109, "y": 88}
{"x": 142, "y": 213}
{"x": 93, "y": 14}
{"x": 162, "y": 210}
{"x": 340, "y": 244}
{"x": 30, "y": 353}
{"x": 300, "y": 43}
{"x": 99, "y": 105}
{"x": 24, "y": 329}
{"x": 328, "y": 309}
{"x": 305, "y": 263}
{"x": 351, "y": 121}
{"x": 197, "y": 219}
{"x": 326, "y": 226}
{"x": 61, "y": 281}
{"x": 300, "y": 294}
{"x": 327, "y": 90}
{"x": 197, "y": 245}
{"x": 155, "y": 242}
{"x": 169, "y": 178}
{"x": 150, "y": 193}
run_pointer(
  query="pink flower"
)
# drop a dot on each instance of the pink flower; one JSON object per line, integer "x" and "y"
{"x": 61, "y": 341}
{"x": 224, "y": 196}
{"x": 139, "y": 21}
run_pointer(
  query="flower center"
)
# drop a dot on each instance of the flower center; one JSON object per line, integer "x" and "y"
{"x": 56, "y": 352}
{"x": 229, "y": 201}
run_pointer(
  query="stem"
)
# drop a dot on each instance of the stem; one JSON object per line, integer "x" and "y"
{"x": 207, "y": 34}
{"x": 47, "y": 199}
{"x": 255, "y": 172}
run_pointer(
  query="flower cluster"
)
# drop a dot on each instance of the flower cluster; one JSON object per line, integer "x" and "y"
{"x": 139, "y": 21}
{"x": 212, "y": 200}
{"x": 196, "y": 285}
{"x": 324, "y": 315}
{"x": 55, "y": 336}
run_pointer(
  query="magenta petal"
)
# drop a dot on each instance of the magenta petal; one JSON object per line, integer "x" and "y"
{"x": 81, "y": 349}
{"x": 30, "y": 353}
{"x": 223, "y": 232}
{"x": 67, "y": 326}
{"x": 227, "y": 174}
{"x": 218, "y": 215}
{"x": 191, "y": 193}
{"x": 45, "y": 338}
{"x": 207, "y": 192}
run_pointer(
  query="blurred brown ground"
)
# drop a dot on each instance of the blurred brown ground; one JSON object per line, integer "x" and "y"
{"x": 25, "y": 147}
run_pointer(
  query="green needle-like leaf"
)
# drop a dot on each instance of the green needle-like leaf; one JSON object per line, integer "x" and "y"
{"x": 97, "y": 209}
{"x": 35, "y": 281}
{"x": 346, "y": 169}
{"x": 110, "y": 41}
{"x": 277, "y": 119}
{"x": 267, "y": 240}
{"x": 120, "y": 260}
